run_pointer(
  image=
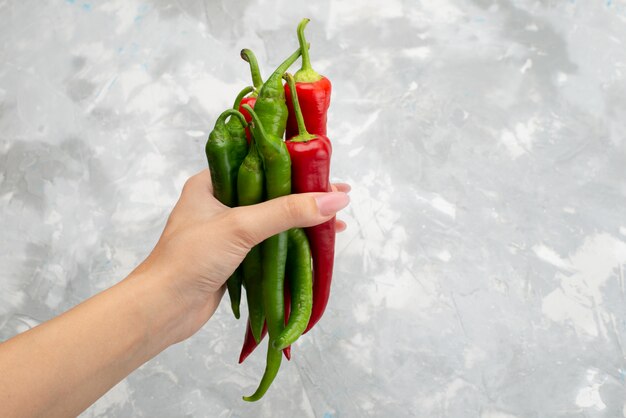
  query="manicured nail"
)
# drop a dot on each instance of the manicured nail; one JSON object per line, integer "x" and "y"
{"x": 332, "y": 202}
{"x": 343, "y": 187}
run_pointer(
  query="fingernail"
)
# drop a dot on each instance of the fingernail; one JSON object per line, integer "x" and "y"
{"x": 332, "y": 202}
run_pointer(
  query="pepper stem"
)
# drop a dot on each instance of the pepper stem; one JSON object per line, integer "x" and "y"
{"x": 306, "y": 59}
{"x": 303, "y": 134}
{"x": 256, "y": 122}
{"x": 306, "y": 74}
{"x": 253, "y": 149}
{"x": 241, "y": 95}
{"x": 248, "y": 56}
{"x": 258, "y": 132}
{"x": 296, "y": 104}
{"x": 221, "y": 120}
{"x": 278, "y": 72}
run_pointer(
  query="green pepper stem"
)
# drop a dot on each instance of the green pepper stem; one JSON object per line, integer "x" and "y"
{"x": 221, "y": 120}
{"x": 253, "y": 147}
{"x": 306, "y": 74}
{"x": 248, "y": 56}
{"x": 296, "y": 104}
{"x": 303, "y": 134}
{"x": 255, "y": 120}
{"x": 306, "y": 60}
{"x": 241, "y": 95}
{"x": 278, "y": 72}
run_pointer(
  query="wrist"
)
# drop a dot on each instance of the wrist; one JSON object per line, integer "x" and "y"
{"x": 158, "y": 308}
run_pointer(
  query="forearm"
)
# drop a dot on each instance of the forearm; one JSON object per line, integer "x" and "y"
{"x": 62, "y": 366}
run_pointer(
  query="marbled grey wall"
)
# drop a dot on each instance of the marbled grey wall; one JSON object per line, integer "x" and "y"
{"x": 482, "y": 271}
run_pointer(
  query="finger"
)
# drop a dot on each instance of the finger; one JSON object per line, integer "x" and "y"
{"x": 340, "y": 226}
{"x": 341, "y": 187}
{"x": 258, "y": 222}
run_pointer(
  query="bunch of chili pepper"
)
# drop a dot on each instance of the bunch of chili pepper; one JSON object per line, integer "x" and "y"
{"x": 287, "y": 277}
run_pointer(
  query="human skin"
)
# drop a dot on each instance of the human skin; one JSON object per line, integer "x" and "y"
{"x": 62, "y": 366}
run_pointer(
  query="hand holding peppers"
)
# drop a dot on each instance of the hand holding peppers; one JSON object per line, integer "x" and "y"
{"x": 291, "y": 267}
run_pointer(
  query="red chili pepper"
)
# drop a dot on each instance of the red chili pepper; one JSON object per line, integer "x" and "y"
{"x": 248, "y": 342}
{"x": 248, "y": 56}
{"x": 313, "y": 91}
{"x": 310, "y": 172}
{"x": 250, "y": 101}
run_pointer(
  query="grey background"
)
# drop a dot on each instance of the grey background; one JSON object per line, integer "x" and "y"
{"x": 482, "y": 271}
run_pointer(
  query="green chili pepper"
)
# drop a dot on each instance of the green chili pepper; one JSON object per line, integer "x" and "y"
{"x": 300, "y": 276}
{"x": 272, "y": 366}
{"x": 250, "y": 184}
{"x": 239, "y": 143}
{"x": 225, "y": 153}
{"x": 275, "y": 158}
{"x": 270, "y": 104}
{"x": 225, "y": 157}
{"x": 277, "y": 169}
{"x": 233, "y": 284}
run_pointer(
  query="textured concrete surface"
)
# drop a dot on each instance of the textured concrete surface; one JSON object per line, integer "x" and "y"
{"x": 482, "y": 271}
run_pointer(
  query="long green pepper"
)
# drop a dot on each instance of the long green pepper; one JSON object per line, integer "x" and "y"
{"x": 300, "y": 276}
{"x": 224, "y": 157}
{"x": 226, "y": 149}
{"x": 277, "y": 168}
{"x": 238, "y": 138}
{"x": 250, "y": 191}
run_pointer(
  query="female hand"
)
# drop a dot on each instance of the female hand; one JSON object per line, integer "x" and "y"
{"x": 63, "y": 365}
{"x": 204, "y": 241}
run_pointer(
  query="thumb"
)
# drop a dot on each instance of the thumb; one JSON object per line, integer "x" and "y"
{"x": 256, "y": 223}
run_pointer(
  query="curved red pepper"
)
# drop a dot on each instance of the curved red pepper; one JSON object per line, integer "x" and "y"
{"x": 310, "y": 172}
